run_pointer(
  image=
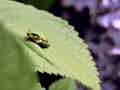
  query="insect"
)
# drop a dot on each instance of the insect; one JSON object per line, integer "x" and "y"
{"x": 38, "y": 39}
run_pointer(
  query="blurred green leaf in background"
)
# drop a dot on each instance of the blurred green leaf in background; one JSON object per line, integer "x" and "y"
{"x": 40, "y": 4}
{"x": 64, "y": 84}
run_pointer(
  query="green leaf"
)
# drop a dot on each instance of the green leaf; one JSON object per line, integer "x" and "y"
{"x": 43, "y": 88}
{"x": 15, "y": 71}
{"x": 64, "y": 84}
{"x": 40, "y": 4}
{"x": 67, "y": 54}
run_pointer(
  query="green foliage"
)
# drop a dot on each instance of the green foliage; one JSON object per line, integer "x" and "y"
{"x": 15, "y": 70}
{"x": 40, "y": 4}
{"x": 67, "y": 54}
{"x": 64, "y": 84}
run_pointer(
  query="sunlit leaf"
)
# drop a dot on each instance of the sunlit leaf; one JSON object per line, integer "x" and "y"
{"x": 67, "y": 54}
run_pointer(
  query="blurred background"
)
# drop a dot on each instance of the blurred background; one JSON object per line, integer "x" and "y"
{"x": 98, "y": 22}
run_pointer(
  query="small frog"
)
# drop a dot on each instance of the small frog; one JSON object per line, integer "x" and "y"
{"x": 38, "y": 39}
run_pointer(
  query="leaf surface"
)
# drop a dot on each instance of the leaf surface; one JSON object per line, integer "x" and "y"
{"x": 67, "y": 54}
{"x": 15, "y": 69}
{"x": 64, "y": 84}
